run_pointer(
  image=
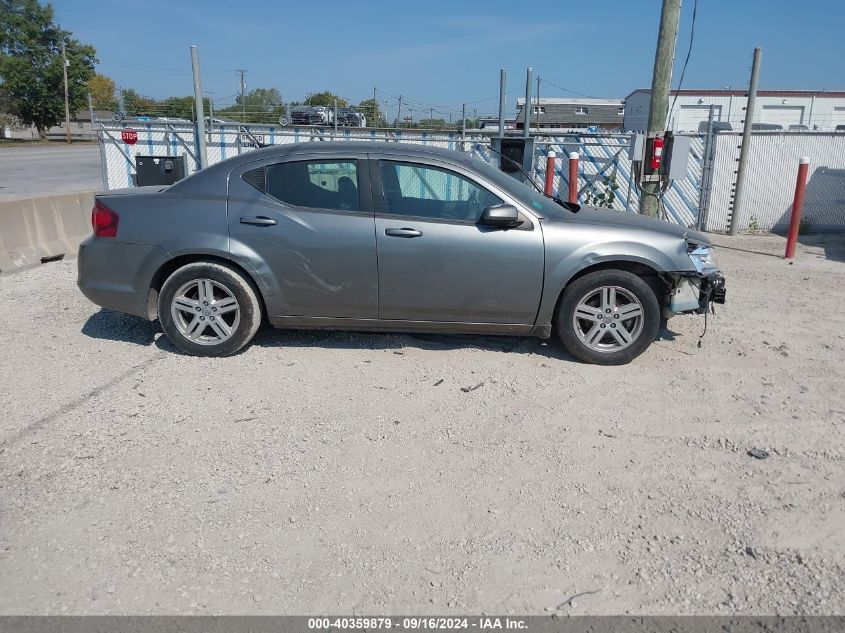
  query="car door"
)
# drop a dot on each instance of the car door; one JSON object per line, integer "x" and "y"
{"x": 304, "y": 226}
{"x": 435, "y": 262}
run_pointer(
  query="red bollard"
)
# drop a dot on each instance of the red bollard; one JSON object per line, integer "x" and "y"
{"x": 573, "y": 177}
{"x": 550, "y": 173}
{"x": 797, "y": 206}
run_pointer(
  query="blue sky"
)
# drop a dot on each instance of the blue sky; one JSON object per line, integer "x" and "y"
{"x": 442, "y": 54}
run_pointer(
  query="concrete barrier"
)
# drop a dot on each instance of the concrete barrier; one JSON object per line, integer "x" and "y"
{"x": 35, "y": 230}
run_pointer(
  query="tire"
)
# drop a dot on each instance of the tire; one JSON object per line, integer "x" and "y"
{"x": 593, "y": 336}
{"x": 224, "y": 304}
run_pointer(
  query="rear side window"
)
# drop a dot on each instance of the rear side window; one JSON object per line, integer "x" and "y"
{"x": 315, "y": 184}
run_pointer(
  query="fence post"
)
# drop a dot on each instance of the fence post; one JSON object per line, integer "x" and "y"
{"x": 573, "y": 177}
{"x": 706, "y": 160}
{"x": 550, "y": 173}
{"x": 797, "y": 206}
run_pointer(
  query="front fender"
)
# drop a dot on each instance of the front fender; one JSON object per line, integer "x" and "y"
{"x": 574, "y": 249}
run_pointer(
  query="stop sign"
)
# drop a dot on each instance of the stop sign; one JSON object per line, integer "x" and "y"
{"x": 129, "y": 136}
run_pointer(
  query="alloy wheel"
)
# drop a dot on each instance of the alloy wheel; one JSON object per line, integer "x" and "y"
{"x": 205, "y": 312}
{"x": 608, "y": 319}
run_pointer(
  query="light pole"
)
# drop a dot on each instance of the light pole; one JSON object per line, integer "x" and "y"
{"x": 65, "y": 64}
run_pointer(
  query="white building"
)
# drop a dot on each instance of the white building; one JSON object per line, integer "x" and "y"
{"x": 813, "y": 109}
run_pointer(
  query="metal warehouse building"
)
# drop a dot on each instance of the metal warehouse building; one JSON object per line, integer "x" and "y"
{"x": 814, "y": 109}
{"x": 576, "y": 114}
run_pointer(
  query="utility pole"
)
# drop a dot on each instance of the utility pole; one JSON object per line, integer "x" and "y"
{"x": 463, "y": 124}
{"x": 538, "y": 102}
{"x": 375, "y": 109}
{"x": 399, "y": 114}
{"x": 242, "y": 72}
{"x": 195, "y": 67}
{"x": 430, "y": 117}
{"x": 91, "y": 112}
{"x": 527, "y": 107}
{"x": 503, "y": 81}
{"x": 67, "y": 100}
{"x": 335, "y": 117}
{"x": 746, "y": 140}
{"x": 661, "y": 84}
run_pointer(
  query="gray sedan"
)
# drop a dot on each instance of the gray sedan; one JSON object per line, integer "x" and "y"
{"x": 387, "y": 237}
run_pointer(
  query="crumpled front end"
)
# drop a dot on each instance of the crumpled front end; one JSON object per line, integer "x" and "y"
{"x": 696, "y": 290}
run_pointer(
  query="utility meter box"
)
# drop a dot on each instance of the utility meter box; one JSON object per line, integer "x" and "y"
{"x": 660, "y": 156}
{"x": 676, "y": 157}
{"x": 513, "y": 152}
{"x": 159, "y": 170}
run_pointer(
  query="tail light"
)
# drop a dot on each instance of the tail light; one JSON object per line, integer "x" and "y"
{"x": 104, "y": 221}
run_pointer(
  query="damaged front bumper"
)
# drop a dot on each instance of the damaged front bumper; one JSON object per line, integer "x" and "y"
{"x": 693, "y": 293}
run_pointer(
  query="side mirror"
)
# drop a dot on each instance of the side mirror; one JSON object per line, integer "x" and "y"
{"x": 502, "y": 216}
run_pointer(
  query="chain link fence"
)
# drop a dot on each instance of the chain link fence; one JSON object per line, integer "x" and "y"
{"x": 605, "y": 175}
{"x": 770, "y": 181}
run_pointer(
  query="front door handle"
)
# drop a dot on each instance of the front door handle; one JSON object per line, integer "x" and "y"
{"x": 406, "y": 232}
{"x": 259, "y": 220}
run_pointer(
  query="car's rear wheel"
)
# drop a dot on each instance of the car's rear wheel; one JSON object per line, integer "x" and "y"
{"x": 608, "y": 317}
{"x": 208, "y": 309}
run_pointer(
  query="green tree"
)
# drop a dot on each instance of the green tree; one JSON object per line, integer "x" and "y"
{"x": 327, "y": 99}
{"x": 439, "y": 124}
{"x": 31, "y": 64}
{"x": 101, "y": 89}
{"x": 371, "y": 110}
{"x": 260, "y": 105}
{"x": 137, "y": 105}
{"x": 178, "y": 108}
{"x": 263, "y": 99}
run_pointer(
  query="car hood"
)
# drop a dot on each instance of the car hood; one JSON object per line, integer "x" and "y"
{"x": 609, "y": 217}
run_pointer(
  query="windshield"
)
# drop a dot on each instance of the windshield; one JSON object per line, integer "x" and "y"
{"x": 541, "y": 205}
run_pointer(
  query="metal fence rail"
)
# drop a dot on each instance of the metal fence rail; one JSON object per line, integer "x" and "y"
{"x": 604, "y": 157}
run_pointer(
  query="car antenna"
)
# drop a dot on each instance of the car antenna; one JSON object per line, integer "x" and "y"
{"x": 566, "y": 205}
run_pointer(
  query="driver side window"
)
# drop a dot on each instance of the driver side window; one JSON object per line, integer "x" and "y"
{"x": 431, "y": 192}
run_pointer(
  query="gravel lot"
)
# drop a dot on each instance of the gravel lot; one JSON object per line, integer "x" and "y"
{"x": 335, "y": 472}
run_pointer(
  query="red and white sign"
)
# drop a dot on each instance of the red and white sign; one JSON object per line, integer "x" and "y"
{"x": 129, "y": 136}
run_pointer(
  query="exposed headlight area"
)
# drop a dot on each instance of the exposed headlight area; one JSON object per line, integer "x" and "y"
{"x": 703, "y": 258}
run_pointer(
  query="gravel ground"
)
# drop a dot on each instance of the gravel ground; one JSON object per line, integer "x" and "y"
{"x": 336, "y": 472}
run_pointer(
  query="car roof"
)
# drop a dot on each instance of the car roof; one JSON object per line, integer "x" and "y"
{"x": 343, "y": 147}
{"x": 206, "y": 178}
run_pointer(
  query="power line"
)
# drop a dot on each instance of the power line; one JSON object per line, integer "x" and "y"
{"x": 580, "y": 94}
{"x": 154, "y": 68}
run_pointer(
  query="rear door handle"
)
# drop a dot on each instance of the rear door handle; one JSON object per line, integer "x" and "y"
{"x": 405, "y": 232}
{"x": 259, "y": 220}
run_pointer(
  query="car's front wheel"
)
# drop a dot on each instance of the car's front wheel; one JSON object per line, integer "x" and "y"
{"x": 608, "y": 317}
{"x": 208, "y": 309}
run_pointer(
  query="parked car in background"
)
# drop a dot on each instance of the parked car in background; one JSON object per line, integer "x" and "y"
{"x": 168, "y": 119}
{"x": 387, "y": 237}
{"x": 798, "y": 128}
{"x": 351, "y": 118}
{"x": 766, "y": 127}
{"x": 311, "y": 115}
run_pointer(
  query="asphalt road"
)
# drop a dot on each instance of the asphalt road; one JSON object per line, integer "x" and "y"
{"x": 41, "y": 170}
